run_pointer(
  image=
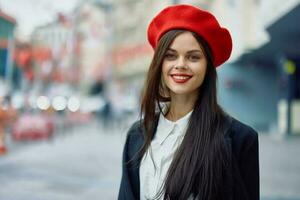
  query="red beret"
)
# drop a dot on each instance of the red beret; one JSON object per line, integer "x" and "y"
{"x": 191, "y": 18}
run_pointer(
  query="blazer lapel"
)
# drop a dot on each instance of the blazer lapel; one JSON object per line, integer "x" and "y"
{"x": 139, "y": 143}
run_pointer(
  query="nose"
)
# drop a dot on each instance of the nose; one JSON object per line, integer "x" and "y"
{"x": 181, "y": 63}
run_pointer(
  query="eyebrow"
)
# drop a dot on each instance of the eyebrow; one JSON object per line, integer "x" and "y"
{"x": 191, "y": 51}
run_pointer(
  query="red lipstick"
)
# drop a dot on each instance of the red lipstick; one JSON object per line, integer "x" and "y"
{"x": 180, "y": 78}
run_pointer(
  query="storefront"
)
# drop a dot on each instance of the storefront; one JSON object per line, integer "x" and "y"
{"x": 272, "y": 99}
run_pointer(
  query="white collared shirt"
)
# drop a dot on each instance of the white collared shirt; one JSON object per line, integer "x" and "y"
{"x": 167, "y": 139}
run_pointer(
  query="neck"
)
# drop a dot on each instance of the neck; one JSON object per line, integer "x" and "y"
{"x": 180, "y": 106}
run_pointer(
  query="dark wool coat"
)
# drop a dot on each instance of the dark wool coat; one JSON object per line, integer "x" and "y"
{"x": 241, "y": 180}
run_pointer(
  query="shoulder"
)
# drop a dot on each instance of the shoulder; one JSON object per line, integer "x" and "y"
{"x": 242, "y": 130}
{"x": 136, "y": 130}
{"x": 134, "y": 138}
{"x": 242, "y": 135}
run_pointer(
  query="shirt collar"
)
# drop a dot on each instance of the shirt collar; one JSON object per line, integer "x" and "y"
{"x": 165, "y": 127}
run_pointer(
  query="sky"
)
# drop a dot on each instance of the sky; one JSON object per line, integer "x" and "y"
{"x": 32, "y": 13}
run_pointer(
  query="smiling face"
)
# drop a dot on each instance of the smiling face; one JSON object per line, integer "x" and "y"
{"x": 184, "y": 66}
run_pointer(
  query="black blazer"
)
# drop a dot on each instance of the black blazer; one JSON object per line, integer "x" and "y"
{"x": 241, "y": 179}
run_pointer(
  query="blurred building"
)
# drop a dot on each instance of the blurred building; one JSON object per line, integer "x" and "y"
{"x": 93, "y": 33}
{"x": 7, "y": 25}
{"x": 131, "y": 51}
{"x": 271, "y": 71}
{"x": 53, "y": 53}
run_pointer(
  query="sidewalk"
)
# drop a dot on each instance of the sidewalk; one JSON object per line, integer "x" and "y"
{"x": 280, "y": 167}
{"x": 83, "y": 164}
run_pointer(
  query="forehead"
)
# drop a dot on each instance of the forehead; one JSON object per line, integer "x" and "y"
{"x": 185, "y": 42}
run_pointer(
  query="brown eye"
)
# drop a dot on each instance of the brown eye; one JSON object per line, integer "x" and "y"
{"x": 193, "y": 58}
{"x": 170, "y": 56}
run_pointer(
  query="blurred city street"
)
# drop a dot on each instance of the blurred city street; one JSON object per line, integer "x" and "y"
{"x": 85, "y": 163}
{"x": 279, "y": 165}
{"x": 72, "y": 74}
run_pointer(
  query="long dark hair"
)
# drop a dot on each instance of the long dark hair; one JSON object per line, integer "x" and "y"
{"x": 198, "y": 164}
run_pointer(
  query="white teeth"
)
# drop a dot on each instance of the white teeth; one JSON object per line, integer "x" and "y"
{"x": 181, "y": 77}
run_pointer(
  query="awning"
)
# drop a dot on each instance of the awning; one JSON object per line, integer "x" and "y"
{"x": 284, "y": 40}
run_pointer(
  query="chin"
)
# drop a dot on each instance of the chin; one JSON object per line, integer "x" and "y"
{"x": 180, "y": 92}
{"x": 183, "y": 91}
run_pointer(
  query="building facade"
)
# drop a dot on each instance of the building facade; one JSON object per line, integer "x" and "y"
{"x": 7, "y": 25}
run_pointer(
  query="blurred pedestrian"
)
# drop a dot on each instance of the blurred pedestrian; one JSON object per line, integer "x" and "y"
{"x": 186, "y": 146}
{"x": 107, "y": 113}
{"x": 7, "y": 115}
{"x": 3, "y": 118}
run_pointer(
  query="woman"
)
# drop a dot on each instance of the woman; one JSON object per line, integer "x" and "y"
{"x": 185, "y": 146}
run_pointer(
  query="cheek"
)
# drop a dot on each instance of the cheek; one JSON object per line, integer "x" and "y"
{"x": 200, "y": 73}
{"x": 200, "y": 70}
{"x": 165, "y": 71}
{"x": 201, "y": 77}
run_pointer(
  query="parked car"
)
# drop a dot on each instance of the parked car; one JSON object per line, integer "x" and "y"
{"x": 33, "y": 127}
